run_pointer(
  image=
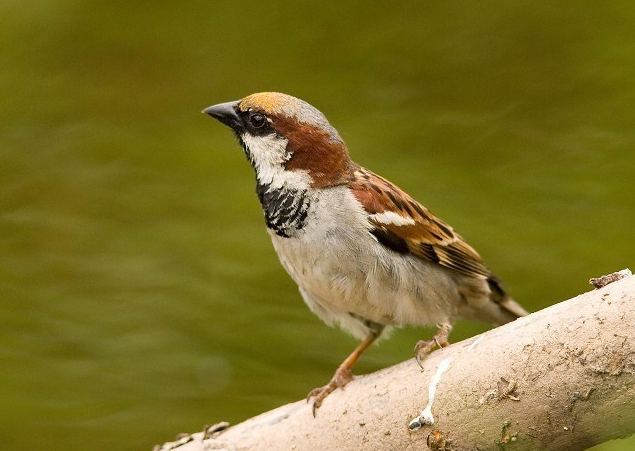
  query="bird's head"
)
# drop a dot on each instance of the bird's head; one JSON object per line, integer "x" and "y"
{"x": 287, "y": 141}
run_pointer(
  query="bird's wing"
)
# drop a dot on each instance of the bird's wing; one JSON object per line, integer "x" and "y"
{"x": 404, "y": 225}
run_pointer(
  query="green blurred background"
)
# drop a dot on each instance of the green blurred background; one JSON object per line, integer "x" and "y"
{"x": 140, "y": 296}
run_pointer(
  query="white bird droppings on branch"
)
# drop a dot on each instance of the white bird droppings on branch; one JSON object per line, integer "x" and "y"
{"x": 426, "y": 415}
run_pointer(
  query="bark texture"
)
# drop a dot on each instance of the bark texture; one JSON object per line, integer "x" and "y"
{"x": 562, "y": 378}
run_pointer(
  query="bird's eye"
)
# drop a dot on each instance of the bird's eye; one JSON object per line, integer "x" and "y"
{"x": 257, "y": 120}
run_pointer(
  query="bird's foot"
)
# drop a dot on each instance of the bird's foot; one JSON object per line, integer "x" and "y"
{"x": 425, "y": 347}
{"x": 341, "y": 377}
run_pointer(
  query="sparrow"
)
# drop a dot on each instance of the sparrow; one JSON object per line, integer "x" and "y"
{"x": 365, "y": 255}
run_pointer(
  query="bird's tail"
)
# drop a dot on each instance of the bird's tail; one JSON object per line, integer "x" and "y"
{"x": 510, "y": 309}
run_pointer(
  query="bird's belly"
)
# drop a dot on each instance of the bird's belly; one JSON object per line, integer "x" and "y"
{"x": 342, "y": 275}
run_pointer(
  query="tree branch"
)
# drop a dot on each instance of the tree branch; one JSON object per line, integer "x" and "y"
{"x": 562, "y": 378}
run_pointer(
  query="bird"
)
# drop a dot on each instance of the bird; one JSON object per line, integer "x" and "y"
{"x": 365, "y": 255}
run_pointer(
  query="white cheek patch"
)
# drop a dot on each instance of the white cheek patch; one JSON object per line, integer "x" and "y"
{"x": 268, "y": 150}
{"x": 269, "y": 154}
{"x": 392, "y": 218}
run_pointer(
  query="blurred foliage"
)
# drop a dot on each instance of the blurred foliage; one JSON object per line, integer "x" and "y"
{"x": 140, "y": 294}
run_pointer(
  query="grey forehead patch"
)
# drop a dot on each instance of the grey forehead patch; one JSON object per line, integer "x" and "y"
{"x": 306, "y": 113}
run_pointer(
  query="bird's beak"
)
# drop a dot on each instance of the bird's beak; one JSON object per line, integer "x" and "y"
{"x": 225, "y": 113}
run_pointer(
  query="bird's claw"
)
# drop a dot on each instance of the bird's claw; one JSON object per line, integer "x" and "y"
{"x": 425, "y": 347}
{"x": 341, "y": 377}
{"x": 422, "y": 349}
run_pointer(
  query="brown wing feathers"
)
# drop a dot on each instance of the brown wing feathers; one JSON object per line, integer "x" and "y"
{"x": 402, "y": 224}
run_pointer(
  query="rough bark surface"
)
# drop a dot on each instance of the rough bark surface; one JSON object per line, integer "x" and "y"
{"x": 562, "y": 378}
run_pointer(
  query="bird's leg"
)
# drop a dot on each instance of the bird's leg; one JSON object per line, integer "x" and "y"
{"x": 343, "y": 373}
{"x": 425, "y": 347}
